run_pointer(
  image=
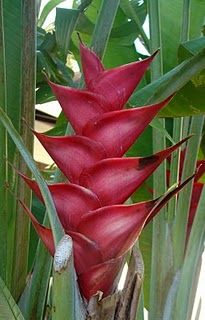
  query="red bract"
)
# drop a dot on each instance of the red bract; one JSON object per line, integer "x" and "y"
{"x": 90, "y": 206}
{"x": 196, "y": 193}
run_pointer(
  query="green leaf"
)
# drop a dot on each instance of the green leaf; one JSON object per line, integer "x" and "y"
{"x": 156, "y": 124}
{"x": 141, "y": 147}
{"x": 170, "y": 28}
{"x": 53, "y": 218}
{"x": 180, "y": 223}
{"x": 9, "y": 310}
{"x": 38, "y": 210}
{"x": 18, "y": 27}
{"x": 119, "y": 53}
{"x": 65, "y": 22}
{"x": 47, "y": 9}
{"x": 32, "y": 301}
{"x": 136, "y": 11}
{"x": 190, "y": 48}
{"x": 27, "y": 103}
{"x": 196, "y": 18}
{"x": 168, "y": 84}
{"x": 104, "y": 25}
{"x": 44, "y": 94}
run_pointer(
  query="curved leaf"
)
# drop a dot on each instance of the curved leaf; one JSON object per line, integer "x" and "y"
{"x": 171, "y": 82}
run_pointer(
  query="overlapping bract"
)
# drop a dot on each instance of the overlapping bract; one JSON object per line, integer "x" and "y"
{"x": 90, "y": 206}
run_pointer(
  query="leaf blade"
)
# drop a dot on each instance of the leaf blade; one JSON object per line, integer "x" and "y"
{"x": 9, "y": 308}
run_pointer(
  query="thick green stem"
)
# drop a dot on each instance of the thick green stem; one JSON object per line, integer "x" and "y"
{"x": 190, "y": 271}
{"x": 180, "y": 224}
{"x": 185, "y": 20}
{"x": 179, "y": 122}
{"x": 174, "y": 167}
{"x": 161, "y": 242}
{"x": 3, "y": 148}
{"x": 20, "y": 260}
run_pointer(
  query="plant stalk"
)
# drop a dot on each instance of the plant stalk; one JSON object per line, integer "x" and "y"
{"x": 161, "y": 261}
{"x": 3, "y": 154}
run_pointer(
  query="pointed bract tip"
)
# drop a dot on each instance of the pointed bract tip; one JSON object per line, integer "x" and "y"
{"x": 152, "y": 56}
{"x": 155, "y": 52}
{"x": 80, "y": 39}
{"x": 45, "y": 74}
{"x": 43, "y": 232}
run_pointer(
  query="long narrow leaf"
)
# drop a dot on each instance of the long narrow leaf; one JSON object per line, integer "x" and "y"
{"x": 169, "y": 83}
{"x": 180, "y": 223}
{"x": 8, "y": 308}
{"x": 32, "y": 302}
{"x": 27, "y": 103}
{"x": 53, "y": 218}
{"x": 160, "y": 263}
{"x": 103, "y": 26}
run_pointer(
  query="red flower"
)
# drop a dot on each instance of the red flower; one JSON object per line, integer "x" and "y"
{"x": 90, "y": 206}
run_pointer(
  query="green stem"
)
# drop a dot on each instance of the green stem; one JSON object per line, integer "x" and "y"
{"x": 155, "y": 38}
{"x": 178, "y": 123}
{"x": 185, "y": 20}
{"x": 32, "y": 302}
{"x": 3, "y": 150}
{"x": 190, "y": 271}
{"x": 161, "y": 242}
{"x": 174, "y": 167}
{"x": 22, "y": 223}
{"x": 183, "y": 205}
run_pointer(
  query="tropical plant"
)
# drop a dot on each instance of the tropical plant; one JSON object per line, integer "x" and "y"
{"x": 79, "y": 228}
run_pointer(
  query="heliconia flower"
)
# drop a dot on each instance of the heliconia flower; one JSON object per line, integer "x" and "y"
{"x": 99, "y": 179}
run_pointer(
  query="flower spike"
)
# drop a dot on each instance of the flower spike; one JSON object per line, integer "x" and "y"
{"x": 90, "y": 206}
